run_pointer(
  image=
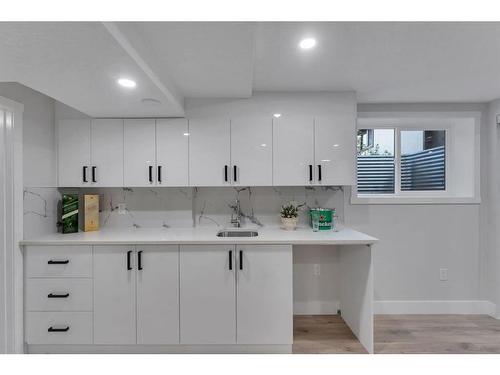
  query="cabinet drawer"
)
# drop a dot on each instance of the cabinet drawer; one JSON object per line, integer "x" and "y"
{"x": 58, "y": 261}
{"x": 59, "y": 294}
{"x": 75, "y": 328}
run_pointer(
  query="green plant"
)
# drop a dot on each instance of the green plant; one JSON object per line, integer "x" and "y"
{"x": 290, "y": 210}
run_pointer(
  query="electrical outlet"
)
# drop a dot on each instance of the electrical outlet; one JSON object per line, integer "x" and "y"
{"x": 316, "y": 270}
{"x": 443, "y": 274}
{"x": 122, "y": 208}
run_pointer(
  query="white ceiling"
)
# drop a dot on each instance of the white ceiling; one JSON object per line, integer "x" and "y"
{"x": 78, "y": 63}
{"x": 383, "y": 62}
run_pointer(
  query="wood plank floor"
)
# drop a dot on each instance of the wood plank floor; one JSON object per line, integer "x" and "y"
{"x": 397, "y": 334}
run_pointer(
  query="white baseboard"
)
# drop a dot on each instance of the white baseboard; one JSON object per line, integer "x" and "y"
{"x": 159, "y": 349}
{"x": 316, "y": 308}
{"x": 435, "y": 307}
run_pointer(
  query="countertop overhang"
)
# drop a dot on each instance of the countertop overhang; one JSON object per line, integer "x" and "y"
{"x": 204, "y": 235}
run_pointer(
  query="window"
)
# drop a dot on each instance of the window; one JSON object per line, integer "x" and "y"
{"x": 376, "y": 161}
{"x": 417, "y": 160}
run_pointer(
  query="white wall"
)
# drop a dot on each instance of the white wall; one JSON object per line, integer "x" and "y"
{"x": 417, "y": 240}
{"x": 39, "y": 158}
{"x": 39, "y": 151}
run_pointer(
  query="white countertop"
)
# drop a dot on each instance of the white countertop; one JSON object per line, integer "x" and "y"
{"x": 204, "y": 235}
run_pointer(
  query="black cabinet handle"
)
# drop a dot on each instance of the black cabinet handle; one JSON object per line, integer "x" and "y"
{"x": 58, "y": 261}
{"x": 52, "y": 295}
{"x": 84, "y": 173}
{"x": 310, "y": 172}
{"x": 225, "y": 173}
{"x": 235, "y": 177}
{"x": 94, "y": 168}
{"x": 151, "y": 173}
{"x": 230, "y": 260}
{"x": 319, "y": 172}
{"x": 241, "y": 259}
{"x": 52, "y": 329}
{"x": 159, "y": 174}
{"x": 139, "y": 260}
{"x": 129, "y": 253}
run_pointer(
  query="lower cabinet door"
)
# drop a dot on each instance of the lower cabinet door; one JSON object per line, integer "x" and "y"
{"x": 157, "y": 294}
{"x": 114, "y": 295}
{"x": 208, "y": 294}
{"x": 264, "y": 294}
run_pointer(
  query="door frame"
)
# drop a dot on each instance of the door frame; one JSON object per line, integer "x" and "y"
{"x": 11, "y": 229}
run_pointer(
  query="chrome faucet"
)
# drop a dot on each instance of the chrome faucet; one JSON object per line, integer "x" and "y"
{"x": 236, "y": 221}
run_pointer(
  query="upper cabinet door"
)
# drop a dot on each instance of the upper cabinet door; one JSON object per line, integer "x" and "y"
{"x": 172, "y": 167}
{"x": 74, "y": 153}
{"x": 335, "y": 150}
{"x": 139, "y": 153}
{"x": 293, "y": 150}
{"x": 107, "y": 153}
{"x": 251, "y": 151}
{"x": 209, "y": 152}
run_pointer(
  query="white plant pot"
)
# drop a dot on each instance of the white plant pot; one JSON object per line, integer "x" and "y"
{"x": 289, "y": 223}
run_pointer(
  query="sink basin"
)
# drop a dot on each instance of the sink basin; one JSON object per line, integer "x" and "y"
{"x": 237, "y": 233}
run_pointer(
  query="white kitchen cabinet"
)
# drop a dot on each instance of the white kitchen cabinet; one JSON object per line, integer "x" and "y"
{"x": 74, "y": 153}
{"x": 157, "y": 294}
{"x": 172, "y": 166}
{"x": 335, "y": 149}
{"x": 251, "y": 151}
{"x": 264, "y": 294}
{"x": 106, "y": 153}
{"x": 293, "y": 151}
{"x": 209, "y": 152}
{"x": 114, "y": 295}
{"x": 139, "y": 153}
{"x": 207, "y": 294}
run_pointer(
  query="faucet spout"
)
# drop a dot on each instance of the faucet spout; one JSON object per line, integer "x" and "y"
{"x": 236, "y": 221}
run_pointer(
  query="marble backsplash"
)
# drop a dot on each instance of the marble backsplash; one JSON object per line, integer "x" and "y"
{"x": 180, "y": 207}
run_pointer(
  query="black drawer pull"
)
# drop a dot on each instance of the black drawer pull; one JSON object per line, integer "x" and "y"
{"x": 225, "y": 173}
{"x": 85, "y": 173}
{"x": 52, "y": 295}
{"x": 58, "y": 261}
{"x": 151, "y": 174}
{"x": 241, "y": 259}
{"x": 129, "y": 253}
{"x": 230, "y": 260}
{"x": 52, "y": 329}
{"x": 139, "y": 260}
{"x": 319, "y": 172}
{"x": 235, "y": 176}
{"x": 310, "y": 172}
{"x": 159, "y": 174}
{"x": 93, "y": 173}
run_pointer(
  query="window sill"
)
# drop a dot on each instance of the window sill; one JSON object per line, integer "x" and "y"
{"x": 413, "y": 200}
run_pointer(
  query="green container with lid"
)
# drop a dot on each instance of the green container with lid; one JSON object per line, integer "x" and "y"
{"x": 324, "y": 217}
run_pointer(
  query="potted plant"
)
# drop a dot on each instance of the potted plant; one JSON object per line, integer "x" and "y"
{"x": 290, "y": 215}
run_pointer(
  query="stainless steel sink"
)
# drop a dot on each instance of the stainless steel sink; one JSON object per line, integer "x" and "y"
{"x": 237, "y": 233}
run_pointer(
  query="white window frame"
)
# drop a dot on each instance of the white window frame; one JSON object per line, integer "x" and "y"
{"x": 417, "y": 121}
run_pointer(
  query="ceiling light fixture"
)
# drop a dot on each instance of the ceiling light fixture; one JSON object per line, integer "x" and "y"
{"x": 277, "y": 115}
{"x": 307, "y": 43}
{"x": 128, "y": 83}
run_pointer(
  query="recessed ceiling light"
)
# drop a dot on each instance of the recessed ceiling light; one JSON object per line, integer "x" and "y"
{"x": 186, "y": 134}
{"x": 277, "y": 115}
{"x": 307, "y": 43}
{"x": 128, "y": 83}
{"x": 263, "y": 145}
{"x": 336, "y": 145}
